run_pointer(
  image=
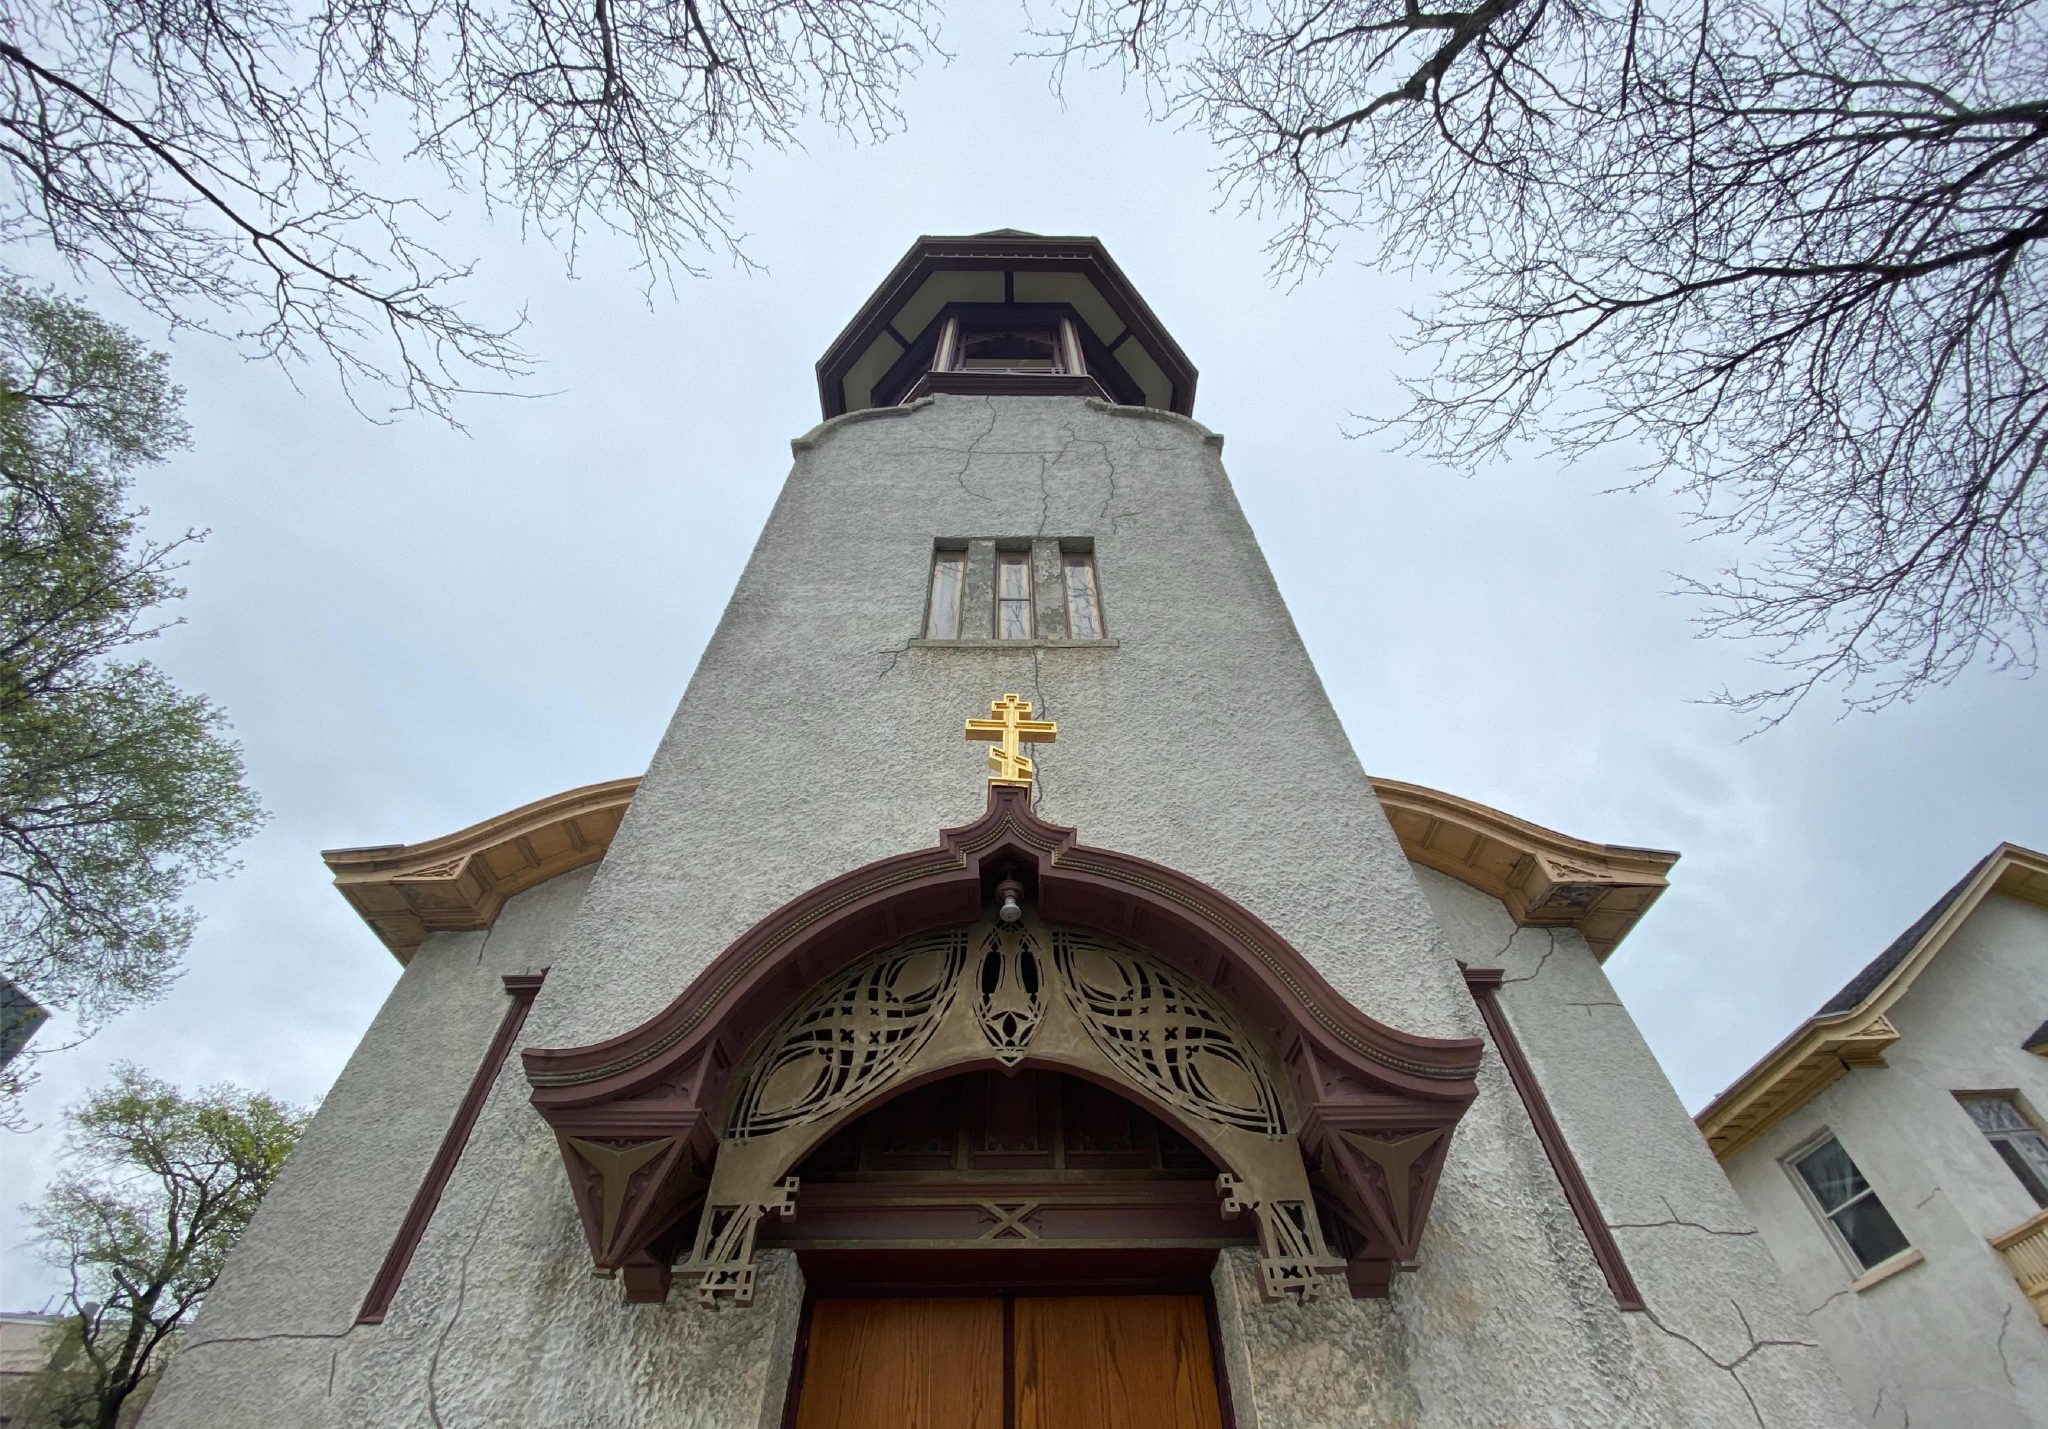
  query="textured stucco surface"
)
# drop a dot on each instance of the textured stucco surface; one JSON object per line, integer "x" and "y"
{"x": 1951, "y": 1340}
{"x": 818, "y": 735}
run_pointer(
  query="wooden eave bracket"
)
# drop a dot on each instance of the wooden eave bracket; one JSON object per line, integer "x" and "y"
{"x": 1545, "y": 878}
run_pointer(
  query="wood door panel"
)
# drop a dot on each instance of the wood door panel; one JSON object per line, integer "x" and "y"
{"x": 1114, "y": 1362}
{"x": 903, "y": 1364}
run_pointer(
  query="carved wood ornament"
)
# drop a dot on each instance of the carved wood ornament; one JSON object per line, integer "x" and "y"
{"x": 679, "y": 1136}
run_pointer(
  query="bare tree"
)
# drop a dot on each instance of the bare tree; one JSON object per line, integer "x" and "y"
{"x": 1792, "y": 246}
{"x": 235, "y": 164}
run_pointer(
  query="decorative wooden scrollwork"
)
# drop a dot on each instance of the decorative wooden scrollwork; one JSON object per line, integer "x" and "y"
{"x": 850, "y": 1036}
{"x": 1009, "y": 993}
{"x": 1167, "y": 1033}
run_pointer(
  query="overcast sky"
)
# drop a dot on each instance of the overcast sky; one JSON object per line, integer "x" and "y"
{"x": 413, "y": 629}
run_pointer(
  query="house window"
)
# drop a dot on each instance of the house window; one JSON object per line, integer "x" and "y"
{"x": 949, "y": 585}
{"x": 1013, "y": 595}
{"x": 1084, "y": 599}
{"x": 2018, "y": 1142}
{"x": 1846, "y": 1203}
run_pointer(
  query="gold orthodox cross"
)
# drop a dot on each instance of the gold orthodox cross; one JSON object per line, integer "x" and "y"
{"x": 1011, "y": 727}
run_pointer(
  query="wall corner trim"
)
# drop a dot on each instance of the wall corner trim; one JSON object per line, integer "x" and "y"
{"x": 522, "y": 988}
{"x": 1483, "y": 984}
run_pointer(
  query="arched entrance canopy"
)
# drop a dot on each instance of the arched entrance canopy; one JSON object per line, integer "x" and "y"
{"x": 638, "y": 1116}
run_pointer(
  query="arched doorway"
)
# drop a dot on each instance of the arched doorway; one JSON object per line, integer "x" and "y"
{"x": 1008, "y": 948}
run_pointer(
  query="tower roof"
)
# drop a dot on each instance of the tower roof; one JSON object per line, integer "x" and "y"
{"x": 897, "y": 326}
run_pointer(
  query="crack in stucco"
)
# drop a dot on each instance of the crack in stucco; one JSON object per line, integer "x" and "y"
{"x": 461, "y": 1296}
{"x": 2004, "y": 1324}
{"x": 265, "y": 1339}
{"x": 1921, "y": 1204}
{"x": 1537, "y": 971}
{"x": 1845, "y": 1290}
{"x": 1589, "y": 1006}
{"x": 1729, "y": 1367}
{"x": 895, "y": 653}
{"x": 967, "y": 457}
{"x": 1676, "y": 1220}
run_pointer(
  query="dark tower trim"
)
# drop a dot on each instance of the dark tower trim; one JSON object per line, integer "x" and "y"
{"x": 898, "y": 324}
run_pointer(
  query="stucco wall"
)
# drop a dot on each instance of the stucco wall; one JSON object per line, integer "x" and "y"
{"x": 1951, "y": 1340}
{"x": 1719, "y": 1327}
{"x": 269, "y": 1332}
{"x": 818, "y": 735}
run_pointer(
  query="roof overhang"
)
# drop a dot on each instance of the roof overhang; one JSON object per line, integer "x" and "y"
{"x": 1546, "y": 879}
{"x": 1004, "y": 267}
{"x": 1827, "y": 1046}
{"x": 459, "y": 881}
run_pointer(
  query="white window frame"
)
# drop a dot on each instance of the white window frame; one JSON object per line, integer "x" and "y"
{"x": 1087, "y": 556}
{"x": 945, "y": 553}
{"x": 1852, "y": 1261}
{"x": 2012, "y": 1097}
{"x": 1030, "y": 597}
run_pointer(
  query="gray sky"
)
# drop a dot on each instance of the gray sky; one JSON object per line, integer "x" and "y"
{"x": 413, "y": 629}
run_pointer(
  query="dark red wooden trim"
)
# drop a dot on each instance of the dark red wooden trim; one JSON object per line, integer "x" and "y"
{"x": 1226, "y": 1403}
{"x": 1357, "y": 1080}
{"x": 800, "y": 1353}
{"x": 1484, "y": 983}
{"x": 523, "y": 987}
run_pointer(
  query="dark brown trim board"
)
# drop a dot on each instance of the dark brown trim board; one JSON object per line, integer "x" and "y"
{"x": 522, "y": 987}
{"x": 1484, "y": 983}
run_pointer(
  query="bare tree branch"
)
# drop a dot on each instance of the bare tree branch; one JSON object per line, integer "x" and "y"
{"x": 1792, "y": 248}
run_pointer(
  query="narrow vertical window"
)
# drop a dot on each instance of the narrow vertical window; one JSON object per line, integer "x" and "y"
{"x": 2018, "y": 1142}
{"x": 949, "y": 581}
{"x": 1084, "y": 601}
{"x": 1013, "y": 595}
{"x": 1849, "y": 1206}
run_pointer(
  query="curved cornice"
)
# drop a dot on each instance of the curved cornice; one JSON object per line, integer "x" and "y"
{"x": 459, "y": 881}
{"x": 1224, "y": 944}
{"x": 1546, "y": 879}
{"x": 1833, "y": 1042}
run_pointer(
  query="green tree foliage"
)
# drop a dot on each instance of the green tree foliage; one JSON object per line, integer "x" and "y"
{"x": 117, "y": 789}
{"x": 160, "y": 1186}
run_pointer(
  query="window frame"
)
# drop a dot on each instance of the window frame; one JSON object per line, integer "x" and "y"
{"x": 1857, "y": 1269}
{"x": 1029, "y": 600}
{"x": 2011, "y": 1097}
{"x": 1085, "y": 556}
{"x": 946, "y": 554}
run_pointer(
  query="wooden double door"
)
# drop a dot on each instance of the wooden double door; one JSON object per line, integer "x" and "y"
{"x": 1009, "y": 1362}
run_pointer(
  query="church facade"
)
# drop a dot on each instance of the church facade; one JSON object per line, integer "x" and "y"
{"x": 1005, "y": 1000}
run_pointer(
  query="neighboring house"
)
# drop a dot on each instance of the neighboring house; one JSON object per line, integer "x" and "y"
{"x": 24, "y": 1350}
{"x": 20, "y": 1016}
{"x": 1892, "y": 1153}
